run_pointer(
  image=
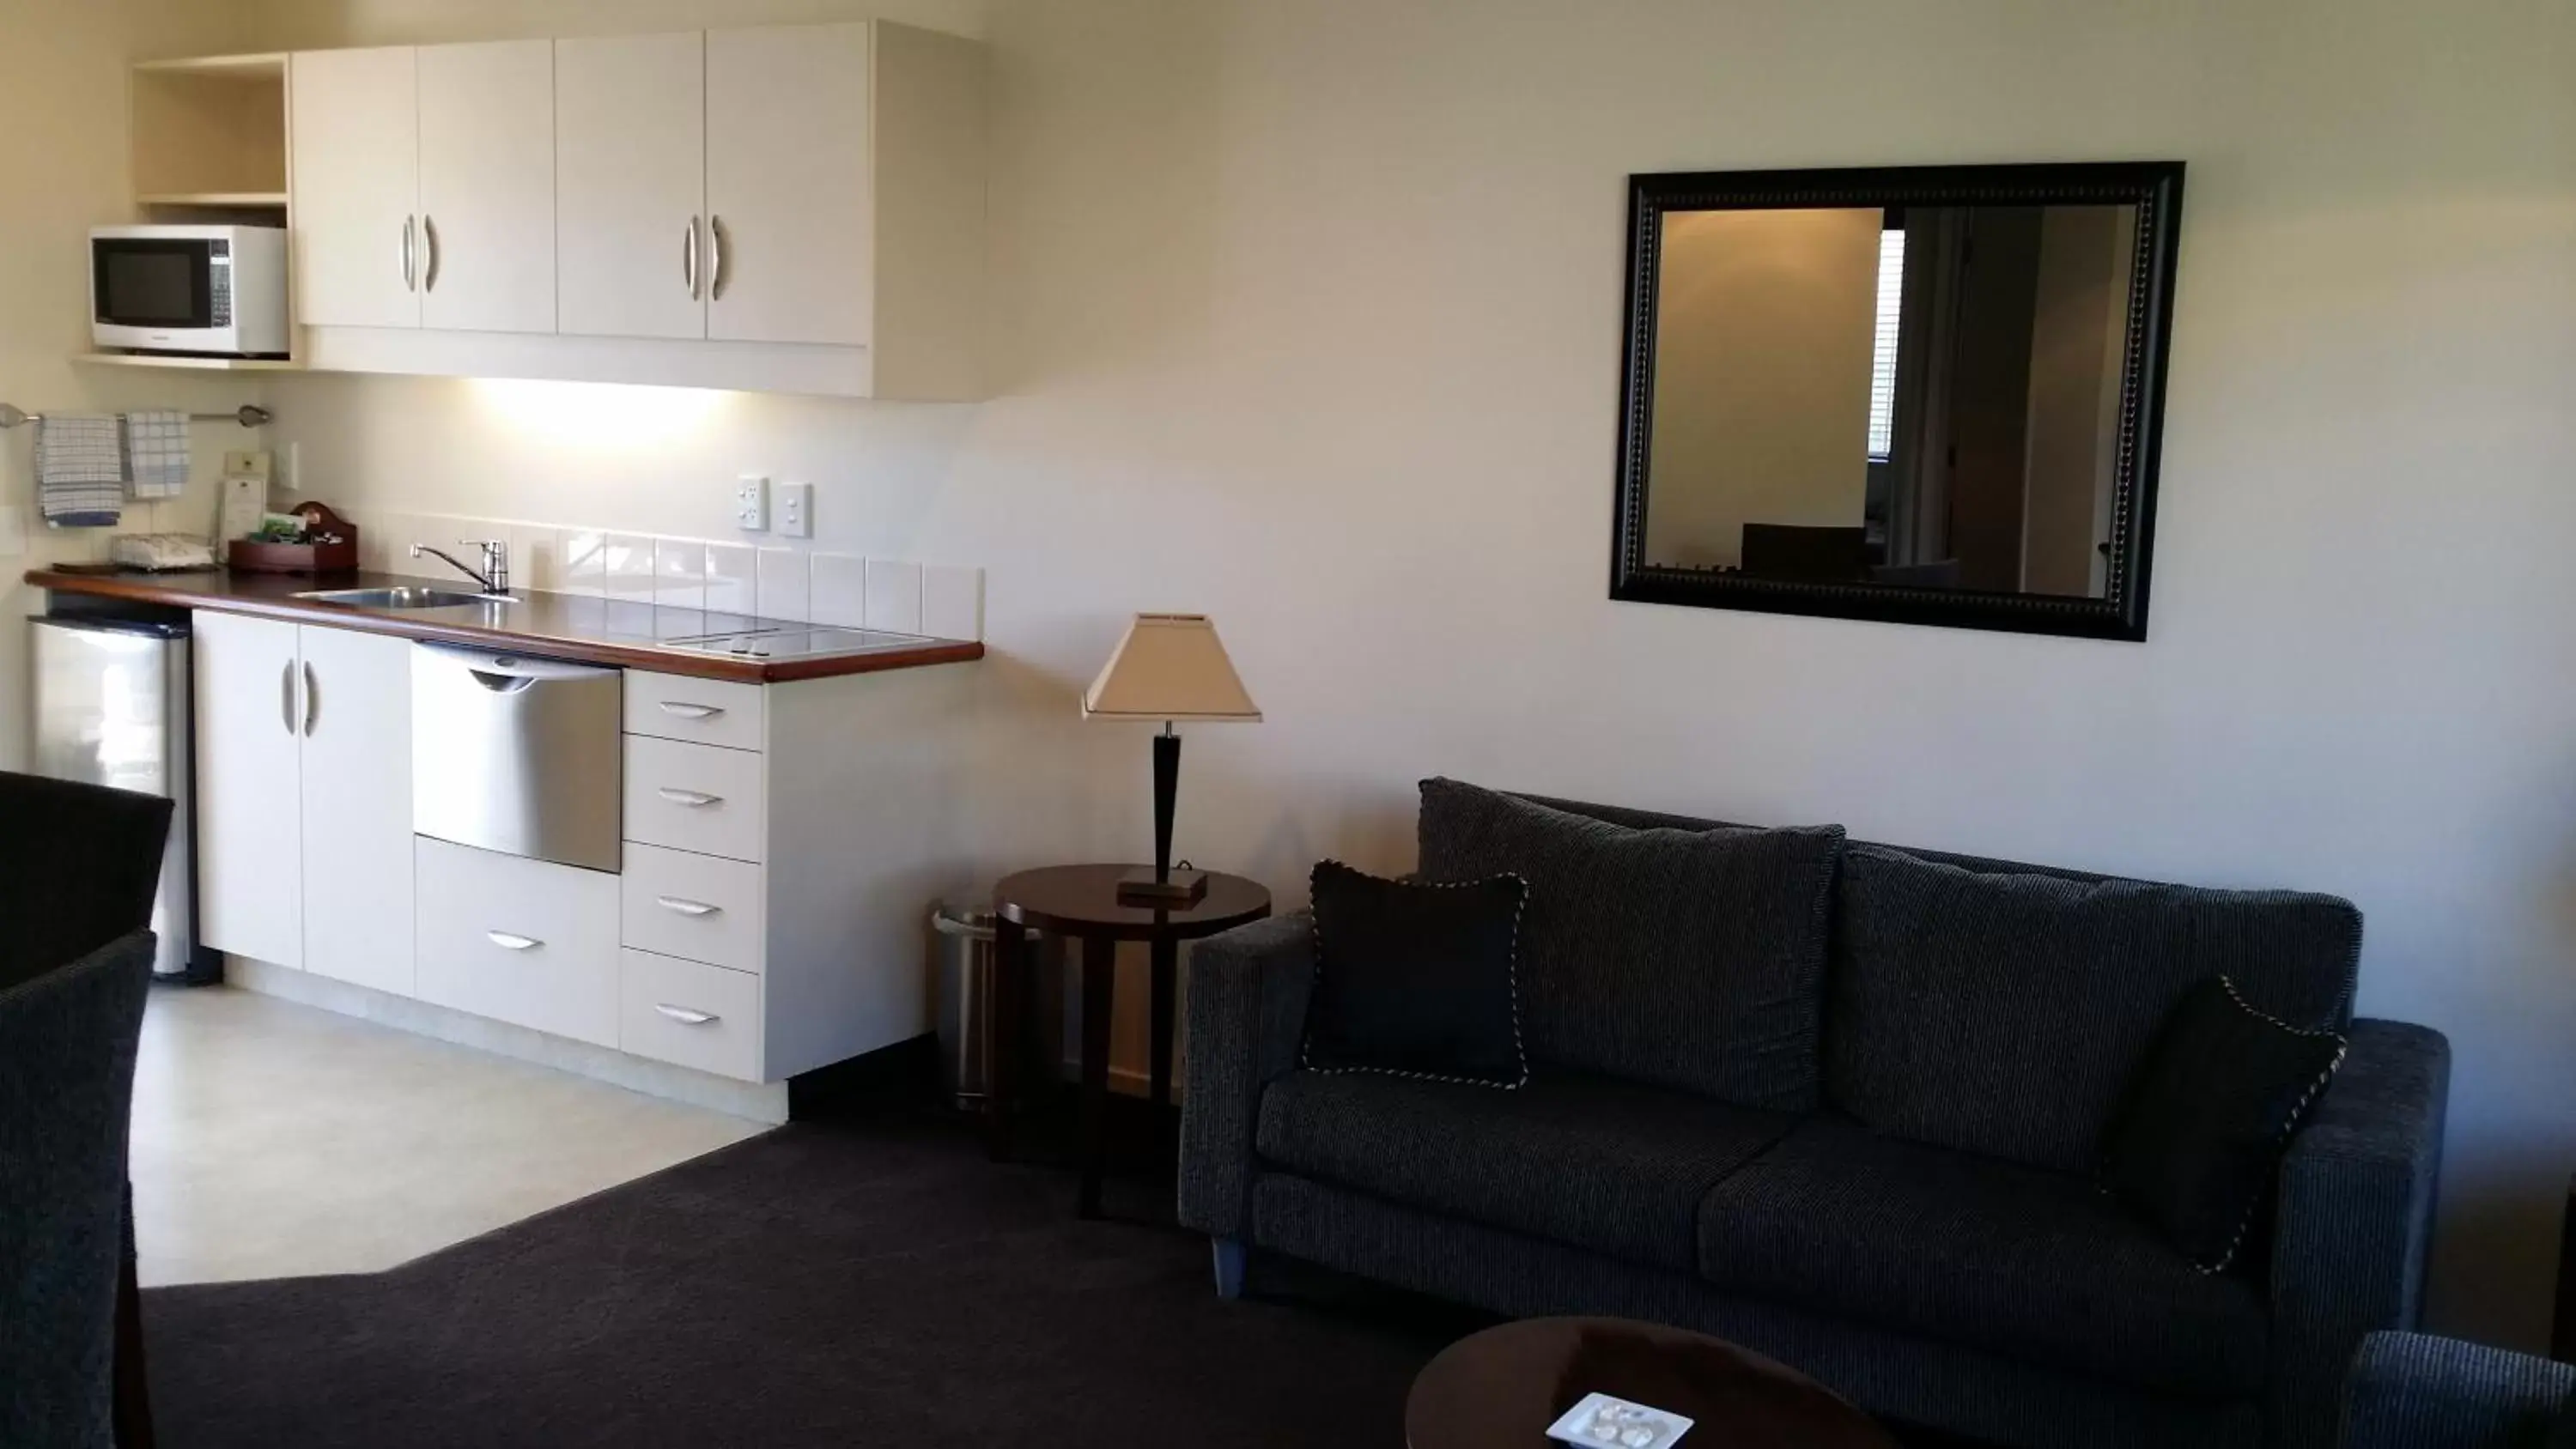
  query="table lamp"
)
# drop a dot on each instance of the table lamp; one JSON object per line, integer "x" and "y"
{"x": 1170, "y": 667}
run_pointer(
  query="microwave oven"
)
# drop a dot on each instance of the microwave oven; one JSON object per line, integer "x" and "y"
{"x": 193, "y": 289}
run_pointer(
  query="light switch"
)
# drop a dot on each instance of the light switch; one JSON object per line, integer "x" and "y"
{"x": 796, "y": 510}
{"x": 751, "y": 503}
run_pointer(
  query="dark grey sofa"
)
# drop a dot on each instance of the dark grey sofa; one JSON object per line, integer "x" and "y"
{"x": 1961, "y": 1290}
{"x": 2414, "y": 1391}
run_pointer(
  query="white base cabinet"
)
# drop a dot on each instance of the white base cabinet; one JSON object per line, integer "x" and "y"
{"x": 524, "y": 941}
{"x": 783, "y": 848}
{"x": 303, "y": 766}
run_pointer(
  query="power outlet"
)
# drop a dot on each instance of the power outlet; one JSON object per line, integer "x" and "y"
{"x": 751, "y": 503}
{"x": 796, "y": 510}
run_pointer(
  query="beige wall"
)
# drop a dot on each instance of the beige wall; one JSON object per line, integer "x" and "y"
{"x": 1310, "y": 317}
{"x": 62, "y": 171}
{"x": 1763, "y": 334}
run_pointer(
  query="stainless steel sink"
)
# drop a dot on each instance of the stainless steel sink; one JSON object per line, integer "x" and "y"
{"x": 401, "y": 598}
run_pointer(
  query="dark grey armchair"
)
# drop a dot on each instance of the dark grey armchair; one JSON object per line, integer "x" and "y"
{"x": 78, "y": 865}
{"x": 2415, "y": 1391}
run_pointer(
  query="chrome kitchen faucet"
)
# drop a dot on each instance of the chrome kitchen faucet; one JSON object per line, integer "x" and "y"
{"x": 494, "y": 576}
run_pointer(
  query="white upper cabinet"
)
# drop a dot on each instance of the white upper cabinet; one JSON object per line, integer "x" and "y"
{"x": 632, "y": 254}
{"x": 487, "y": 187}
{"x": 356, "y": 138}
{"x": 788, "y": 159}
{"x": 787, "y": 209}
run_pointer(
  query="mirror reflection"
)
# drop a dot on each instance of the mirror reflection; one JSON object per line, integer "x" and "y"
{"x": 1921, "y": 396}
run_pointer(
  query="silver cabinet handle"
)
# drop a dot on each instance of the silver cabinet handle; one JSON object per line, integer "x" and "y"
{"x": 684, "y": 1016}
{"x": 286, "y": 710}
{"x": 691, "y": 711}
{"x": 408, "y": 284}
{"x": 689, "y": 258}
{"x": 429, "y": 234}
{"x": 312, "y": 699}
{"x": 716, "y": 276}
{"x": 685, "y": 906}
{"x": 691, "y": 798}
{"x": 511, "y": 941}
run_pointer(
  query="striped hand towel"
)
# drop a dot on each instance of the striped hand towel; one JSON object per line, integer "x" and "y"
{"x": 156, "y": 453}
{"x": 80, "y": 470}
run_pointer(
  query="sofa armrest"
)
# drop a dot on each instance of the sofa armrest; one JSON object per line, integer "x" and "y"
{"x": 2410, "y": 1391}
{"x": 2355, "y": 1219}
{"x": 1247, "y": 1016}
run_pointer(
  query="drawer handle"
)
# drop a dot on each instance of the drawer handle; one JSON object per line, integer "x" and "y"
{"x": 684, "y": 1016}
{"x": 691, "y": 711}
{"x": 686, "y": 907}
{"x": 694, "y": 799}
{"x": 510, "y": 941}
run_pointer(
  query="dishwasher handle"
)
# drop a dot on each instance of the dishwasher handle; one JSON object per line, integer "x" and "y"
{"x": 511, "y": 673}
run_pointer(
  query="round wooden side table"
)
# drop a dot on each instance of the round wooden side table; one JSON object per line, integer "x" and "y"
{"x": 1502, "y": 1388}
{"x": 1080, "y": 902}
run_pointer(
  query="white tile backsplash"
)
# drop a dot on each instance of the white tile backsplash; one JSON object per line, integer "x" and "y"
{"x": 731, "y": 588}
{"x": 629, "y": 576}
{"x": 952, "y": 602}
{"x": 839, "y": 590}
{"x": 680, "y": 573}
{"x": 784, "y": 588}
{"x": 942, "y": 600}
{"x": 894, "y": 595}
{"x": 536, "y": 557}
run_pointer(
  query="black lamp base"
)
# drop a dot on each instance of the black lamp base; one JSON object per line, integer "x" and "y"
{"x": 1184, "y": 888}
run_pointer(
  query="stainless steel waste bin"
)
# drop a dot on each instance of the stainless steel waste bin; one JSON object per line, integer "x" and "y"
{"x": 965, "y": 1001}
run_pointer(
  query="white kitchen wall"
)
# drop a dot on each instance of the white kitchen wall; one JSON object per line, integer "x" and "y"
{"x": 63, "y": 171}
{"x": 1308, "y": 318}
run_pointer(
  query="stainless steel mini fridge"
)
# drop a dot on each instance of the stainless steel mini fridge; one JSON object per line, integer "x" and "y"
{"x": 112, "y": 708}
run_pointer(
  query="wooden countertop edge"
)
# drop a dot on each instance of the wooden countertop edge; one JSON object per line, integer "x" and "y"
{"x": 586, "y": 651}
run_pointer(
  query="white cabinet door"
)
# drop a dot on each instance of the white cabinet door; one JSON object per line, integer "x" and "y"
{"x": 357, "y": 808}
{"x": 519, "y": 940}
{"x": 788, "y": 184}
{"x": 249, "y": 860}
{"x": 487, "y": 186}
{"x": 358, "y": 249}
{"x": 630, "y": 185}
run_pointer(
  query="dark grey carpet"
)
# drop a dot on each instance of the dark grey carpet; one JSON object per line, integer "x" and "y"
{"x": 834, "y": 1285}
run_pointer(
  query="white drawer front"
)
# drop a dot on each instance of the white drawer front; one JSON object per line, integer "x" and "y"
{"x": 694, "y": 797}
{"x": 693, "y": 1014}
{"x": 524, "y": 941}
{"x": 697, "y": 907}
{"x": 701, "y": 711}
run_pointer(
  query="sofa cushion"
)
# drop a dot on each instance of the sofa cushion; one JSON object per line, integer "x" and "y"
{"x": 2005, "y": 1013}
{"x": 2197, "y": 1143}
{"x": 1682, "y": 958}
{"x": 1588, "y": 1161}
{"x": 1415, "y": 979}
{"x": 2030, "y": 1264}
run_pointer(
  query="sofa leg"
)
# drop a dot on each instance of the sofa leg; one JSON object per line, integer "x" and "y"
{"x": 1230, "y": 1256}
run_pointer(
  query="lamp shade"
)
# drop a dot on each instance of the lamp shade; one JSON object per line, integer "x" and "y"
{"x": 1169, "y": 667}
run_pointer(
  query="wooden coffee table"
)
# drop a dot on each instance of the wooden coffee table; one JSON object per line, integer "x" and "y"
{"x": 1500, "y": 1389}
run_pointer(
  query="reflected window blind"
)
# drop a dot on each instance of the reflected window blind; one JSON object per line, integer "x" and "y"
{"x": 1882, "y": 362}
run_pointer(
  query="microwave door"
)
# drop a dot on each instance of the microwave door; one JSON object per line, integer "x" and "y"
{"x": 160, "y": 284}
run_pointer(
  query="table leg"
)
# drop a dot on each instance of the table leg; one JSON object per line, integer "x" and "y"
{"x": 1011, "y": 967}
{"x": 1166, "y": 971}
{"x": 1099, "y": 970}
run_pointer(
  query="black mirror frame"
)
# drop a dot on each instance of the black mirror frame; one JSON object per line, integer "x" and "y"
{"x": 2154, "y": 187}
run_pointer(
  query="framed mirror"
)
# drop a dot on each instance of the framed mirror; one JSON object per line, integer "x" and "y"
{"x": 1927, "y": 394}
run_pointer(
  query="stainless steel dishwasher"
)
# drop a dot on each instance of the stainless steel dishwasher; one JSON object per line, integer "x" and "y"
{"x": 518, "y": 755}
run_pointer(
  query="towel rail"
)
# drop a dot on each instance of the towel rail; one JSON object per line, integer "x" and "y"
{"x": 246, "y": 415}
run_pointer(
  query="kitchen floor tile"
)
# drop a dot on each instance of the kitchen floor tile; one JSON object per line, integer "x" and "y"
{"x": 274, "y": 1140}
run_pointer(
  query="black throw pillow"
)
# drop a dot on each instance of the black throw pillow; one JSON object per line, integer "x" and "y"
{"x": 2197, "y": 1145}
{"x": 1416, "y": 980}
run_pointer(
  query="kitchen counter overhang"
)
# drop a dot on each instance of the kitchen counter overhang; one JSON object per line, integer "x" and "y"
{"x": 562, "y": 626}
